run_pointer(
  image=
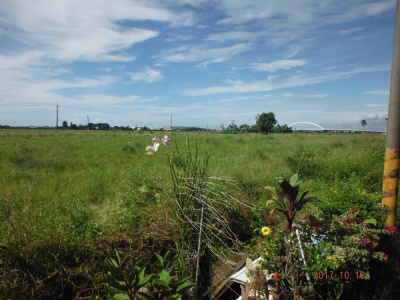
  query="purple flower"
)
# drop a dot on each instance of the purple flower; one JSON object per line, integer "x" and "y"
{"x": 166, "y": 141}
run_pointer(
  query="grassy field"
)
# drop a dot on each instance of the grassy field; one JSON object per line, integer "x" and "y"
{"x": 69, "y": 197}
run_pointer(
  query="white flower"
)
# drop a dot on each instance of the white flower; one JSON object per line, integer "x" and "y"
{"x": 155, "y": 146}
{"x": 150, "y": 150}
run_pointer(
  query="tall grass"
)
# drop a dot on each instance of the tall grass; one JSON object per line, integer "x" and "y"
{"x": 68, "y": 197}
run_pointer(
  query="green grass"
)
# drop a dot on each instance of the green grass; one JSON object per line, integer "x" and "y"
{"x": 68, "y": 197}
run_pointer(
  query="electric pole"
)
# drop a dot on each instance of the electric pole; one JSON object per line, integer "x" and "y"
{"x": 57, "y": 118}
{"x": 391, "y": 166}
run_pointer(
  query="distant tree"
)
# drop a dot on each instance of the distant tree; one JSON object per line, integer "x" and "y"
{"x": 363, "y": 123}
{"x": 64, "y": 124}
{"x": 232, "y": 127}
{"x": 282, "y": 128}
{"x": 265, "y": 122}
{"x": 244, "y": 128}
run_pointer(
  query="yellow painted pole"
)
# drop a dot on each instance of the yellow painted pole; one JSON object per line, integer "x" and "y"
{"x": 391, "y": 166}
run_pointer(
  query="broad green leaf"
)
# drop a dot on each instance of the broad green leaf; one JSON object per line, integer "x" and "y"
{"x": 162, "y": 282}
{"x": 370, "y": 221}
{"x": 185, "y": 286}
{"x": 294, "y": 180}
{"x": 145, "y": 280}
{"x": 121, "y": 297}
{"x": 164, "y": 275}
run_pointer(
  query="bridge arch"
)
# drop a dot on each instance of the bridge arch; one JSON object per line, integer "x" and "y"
{"x": 309, "y": 123}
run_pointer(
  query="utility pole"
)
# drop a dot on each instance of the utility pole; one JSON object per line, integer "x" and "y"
{"x": 88, "y": 127}
{"x": 57, "y": 118}
{"x": 391, "y": 166}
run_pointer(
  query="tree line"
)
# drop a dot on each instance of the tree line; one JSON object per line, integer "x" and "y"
{"x": 265, "y": 123}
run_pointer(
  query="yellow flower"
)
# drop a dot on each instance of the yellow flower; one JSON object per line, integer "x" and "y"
{"x": 331, "y": 259}
{"x": 266, "y": 230}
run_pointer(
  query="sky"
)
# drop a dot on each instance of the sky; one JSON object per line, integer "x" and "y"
{"x": 202, "y": 63}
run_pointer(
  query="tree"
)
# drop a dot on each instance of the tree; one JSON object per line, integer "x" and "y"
{"x": 265, "y": 122}
{"x": 282, "y": 128}
{"x": 65, "y": 124}
{"x": 363, "y": 123}
{"x": 232, "y": 127}
{"x": 244, "y": 128}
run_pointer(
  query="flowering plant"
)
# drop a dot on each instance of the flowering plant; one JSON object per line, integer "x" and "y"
{"x": 166, "y": 141}
{"x": 288, "y": 204}
{"x": 318, "y": 255}
{"x": 283, "y": 250}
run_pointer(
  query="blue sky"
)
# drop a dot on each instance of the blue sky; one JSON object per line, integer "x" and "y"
{"x": 205, "y": 62}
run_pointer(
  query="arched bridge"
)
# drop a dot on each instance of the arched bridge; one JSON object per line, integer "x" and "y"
{"x": 307, "y": 123}
{"x": 304, "y": 126}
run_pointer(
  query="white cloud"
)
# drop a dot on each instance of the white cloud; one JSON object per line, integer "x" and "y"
{"x": 378, "y": 92}
{"x": 202, "y": 54}
{"x": 275, "y": 83}
{"x": 87, "y": 30}
{"x": 350, "y": 31}
{"x": 236, "y": 35}
{"x": 300, "y": 12}
{"x": 147, "y": 75}
{"x": 284, "y": 64}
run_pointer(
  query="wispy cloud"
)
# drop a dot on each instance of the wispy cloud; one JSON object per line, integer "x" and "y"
{"x": 202, "y": 54}
{"x": 284, "y": 64}
{"x": 227, "y": 54}
{"x": 83, "y": 30}
{"x": 148, "y": 75}
{"x": 350, "y": 31}
{"x": 275, "y": 83}
{"x": 378, "y": 92}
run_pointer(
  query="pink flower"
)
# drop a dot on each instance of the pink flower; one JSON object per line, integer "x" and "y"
{"x": 353, "y": 209}
{"x": 385, "y": 256}
{"x": 391, "y": 229}
{"x": 303, "y": 216}
{"x": 275, "y": 276}
{"x": 154, "y": 140}
{"x": 166, "y": 141}
{"x": 367, "y": 240}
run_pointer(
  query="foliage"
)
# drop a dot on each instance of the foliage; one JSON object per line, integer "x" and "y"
{"x": 70, "y": 197}
{"x": 133, "y": 282}
{"x": 363, "y": 123}
{"x": 199, "y": 208}
{"x": 322, "y": 255}
{"x": 288, "y": 205}
{"x": 265, "y": 122}
{"x": 283, "y": 129}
